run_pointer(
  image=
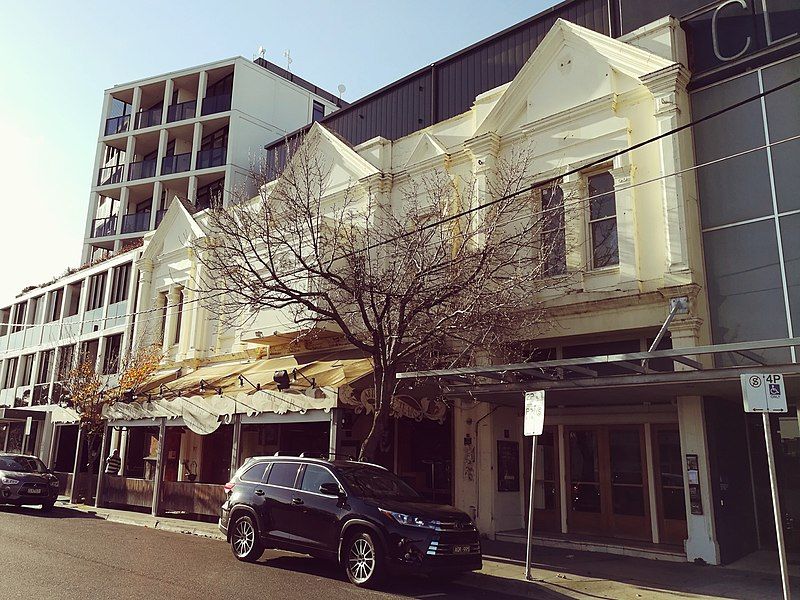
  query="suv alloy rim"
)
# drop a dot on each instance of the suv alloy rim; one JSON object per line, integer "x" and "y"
{"x": 361, "y": 561}
{"x": 243, "y": 537}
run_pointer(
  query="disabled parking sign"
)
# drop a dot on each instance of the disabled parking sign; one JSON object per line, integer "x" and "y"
{"x": 764, "y": 393}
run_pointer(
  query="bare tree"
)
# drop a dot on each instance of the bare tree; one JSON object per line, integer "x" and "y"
{"x": 418, "y": 275}
{"x": 89, "y": 390}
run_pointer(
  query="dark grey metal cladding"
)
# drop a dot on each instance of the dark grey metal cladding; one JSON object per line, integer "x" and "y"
{"x": 449, "y": 86}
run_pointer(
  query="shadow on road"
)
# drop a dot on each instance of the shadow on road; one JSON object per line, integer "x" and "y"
{"x": 57, "y": 512}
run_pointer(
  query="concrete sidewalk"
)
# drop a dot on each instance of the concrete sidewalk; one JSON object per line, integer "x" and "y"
{"x": 560, "y": 573}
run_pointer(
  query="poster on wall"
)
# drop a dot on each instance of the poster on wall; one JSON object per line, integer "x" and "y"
{"x": 507, "y": 466}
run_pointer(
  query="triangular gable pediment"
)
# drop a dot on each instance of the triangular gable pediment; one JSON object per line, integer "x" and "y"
{"x": 177, "y": 230}
{"x": 427, "y": 149}
{"x": 346, "y": 166}
{"x": 572, "y": 66}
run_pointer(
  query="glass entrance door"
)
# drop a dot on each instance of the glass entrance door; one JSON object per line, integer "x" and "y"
{"x": 608, "y": 482}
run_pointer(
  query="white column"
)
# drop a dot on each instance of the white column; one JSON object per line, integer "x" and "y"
{"x": 197, "y": 136}
{"x": 143, "y": 326}
{"x": 701, "y": 542}
{"x": 159, "y": 475}
{"x": 192, "y": 192}
{"x": 135, "y": 105}
{"x": 201, "y": 91}
{"x": 169, "y": 86}
{"x": 669, "y": 94}
{"x": 626, "y": 225}
{"x": 173, "y": 299}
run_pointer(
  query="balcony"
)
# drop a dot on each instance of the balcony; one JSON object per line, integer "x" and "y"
{"x": 216, "y": 104}
{"x": 117, "y": 124}
{"x": 110, "y": 175}
{"x": 177, "y": 163}
{"x": 105, "y": 226}
{"x": 142, "y": 169}
{"x": 134, "y": 222}
{"x": 148, "y": 118}
{"x": 214, "y": 157}
{"x": 181, "y": 111}
{"x": 160, "y": 216}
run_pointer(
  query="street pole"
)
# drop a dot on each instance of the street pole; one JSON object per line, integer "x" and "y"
{"x": 776, "y": 504}
{"x": 529, "y": 549}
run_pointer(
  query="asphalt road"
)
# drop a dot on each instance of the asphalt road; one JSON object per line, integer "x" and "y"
{"x": 68, "y": 554}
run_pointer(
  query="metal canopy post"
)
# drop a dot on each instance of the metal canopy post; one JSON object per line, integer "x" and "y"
{"x": 529, "y": 545}
{"x": 162, "y": 432}
{"x": 776, "y": 503}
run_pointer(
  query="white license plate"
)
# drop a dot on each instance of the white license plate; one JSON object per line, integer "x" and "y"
{"x": 34, "y": 491}
{"x": 461, "y": 549}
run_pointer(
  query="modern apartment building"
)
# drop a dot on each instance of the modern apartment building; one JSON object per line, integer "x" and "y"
{"x": 90, "y": 311}
{"x": 194, "y": 134}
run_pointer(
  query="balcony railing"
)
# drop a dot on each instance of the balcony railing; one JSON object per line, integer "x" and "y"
{"x": 181, "y": 111}
{"x": 160, "y": 216}
{"x": 109, "y": 175}
{"x": 117, "y": 124}
{"x": 105, "y": 226}
{"x": 213, "y": 157}
{"x": 216, "y": 104}
{"x": 134, "y": 222}
{"x": 148, "y": 118}
{"x": 142, "y": 169}
{"x": 177, "y": 163}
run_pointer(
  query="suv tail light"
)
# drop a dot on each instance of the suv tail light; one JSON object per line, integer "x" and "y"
{"x": 229, "y": 487}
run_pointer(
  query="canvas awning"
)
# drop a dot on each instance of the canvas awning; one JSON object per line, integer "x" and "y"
{"x": 158, "y": 378}
{"x": 238, "y": 387}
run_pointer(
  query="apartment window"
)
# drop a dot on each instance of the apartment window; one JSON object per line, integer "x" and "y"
{"x": 111, "y": 356}
{"x": 603, "y": 221}
{"x": 45, "y": 361}
{"x": 38, "y": 307}
{"x": 554, "y": 250}
{"x": 221, "y": 87}
{"x": 218, "y": 139}
{"x": 318, "y": 111}
{"x": 120, "y": 277}
{"x": 178, "y": 317}
{"x": 89, "y": 352}
{"x": 66, "y": 356}
{"x": 162, "y": 303}
{"x": 119, "y": 108}
{"x": 97, "y": 287}
{"x": 73, "y": 299}
{"x": 210, "y": 195}
{"x": 11, "y": 373}
{"x": 5, "y": 321}
{"x": 27, "y": 369}
{"x": 19, "y": 316}
{"x": 54, "y": 309}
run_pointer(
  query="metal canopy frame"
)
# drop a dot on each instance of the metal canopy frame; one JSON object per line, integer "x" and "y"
{"x": 636, "y": 369}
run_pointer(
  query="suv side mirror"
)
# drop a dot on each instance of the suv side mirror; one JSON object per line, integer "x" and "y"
{"x": 331, "y": 489}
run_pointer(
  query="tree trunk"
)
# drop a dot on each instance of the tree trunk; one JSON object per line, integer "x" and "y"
{"x": 384, "y": 390}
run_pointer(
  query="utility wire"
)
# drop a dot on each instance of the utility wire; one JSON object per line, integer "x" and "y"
{"x": 539, "y": 184}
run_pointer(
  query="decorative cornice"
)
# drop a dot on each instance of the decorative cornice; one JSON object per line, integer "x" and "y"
{"x": 673, "y": 78}
{"x": 486, "y": 144}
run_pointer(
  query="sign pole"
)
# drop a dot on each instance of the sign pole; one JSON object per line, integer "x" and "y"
{"x": 529, "y": 546}
{"x": 776, "y": 503}
{"x": 532, "y": 427}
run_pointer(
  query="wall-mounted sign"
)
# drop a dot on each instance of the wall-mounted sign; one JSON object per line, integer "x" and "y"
{"x": 693, "y": 475}
{"x": 507, "y": 466}
{"x": 730, "y": 30}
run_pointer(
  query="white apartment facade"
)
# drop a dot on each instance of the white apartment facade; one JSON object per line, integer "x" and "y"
{"x": 194, "y": 134}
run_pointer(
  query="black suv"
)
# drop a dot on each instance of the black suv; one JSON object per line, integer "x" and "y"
{"x": 358, "y": 514}
{"x": 26, "y": 480}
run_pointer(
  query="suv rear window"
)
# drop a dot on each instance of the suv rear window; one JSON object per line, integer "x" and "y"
{"x": 255, "y": 473}
{"x": 283, "y": 474}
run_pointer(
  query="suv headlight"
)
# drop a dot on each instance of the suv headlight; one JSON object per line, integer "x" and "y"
{"x": 410, "y": 520}
{"x": 8, "y": 481}
{"x": 54, "y": 482}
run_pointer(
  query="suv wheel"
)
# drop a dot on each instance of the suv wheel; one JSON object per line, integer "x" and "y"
{"x": 363, "y": 560}
{"x": 245, "y": 542}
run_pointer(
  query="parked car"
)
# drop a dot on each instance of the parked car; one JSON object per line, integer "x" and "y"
{"x": 360, "y": 515}
{"x": 26, "y": 480}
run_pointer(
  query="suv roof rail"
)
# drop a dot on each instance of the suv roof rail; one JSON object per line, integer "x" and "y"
{"x": 284, "y": 453}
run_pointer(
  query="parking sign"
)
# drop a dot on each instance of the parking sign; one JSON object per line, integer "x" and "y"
{"x": 764, "y": 393}
{"x": 534, "y": 413}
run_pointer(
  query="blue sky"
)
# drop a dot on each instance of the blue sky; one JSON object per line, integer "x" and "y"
{"x": 58, "y": 57}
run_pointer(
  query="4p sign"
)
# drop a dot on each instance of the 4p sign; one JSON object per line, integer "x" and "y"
{"x": 764, "y": 393}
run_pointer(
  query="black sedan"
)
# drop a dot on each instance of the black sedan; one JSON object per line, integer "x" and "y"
{"x": 26, "y": 480}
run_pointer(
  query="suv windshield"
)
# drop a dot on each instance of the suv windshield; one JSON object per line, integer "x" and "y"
{"x": 22, "y": 464}
{"x": 372, "y": 482}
